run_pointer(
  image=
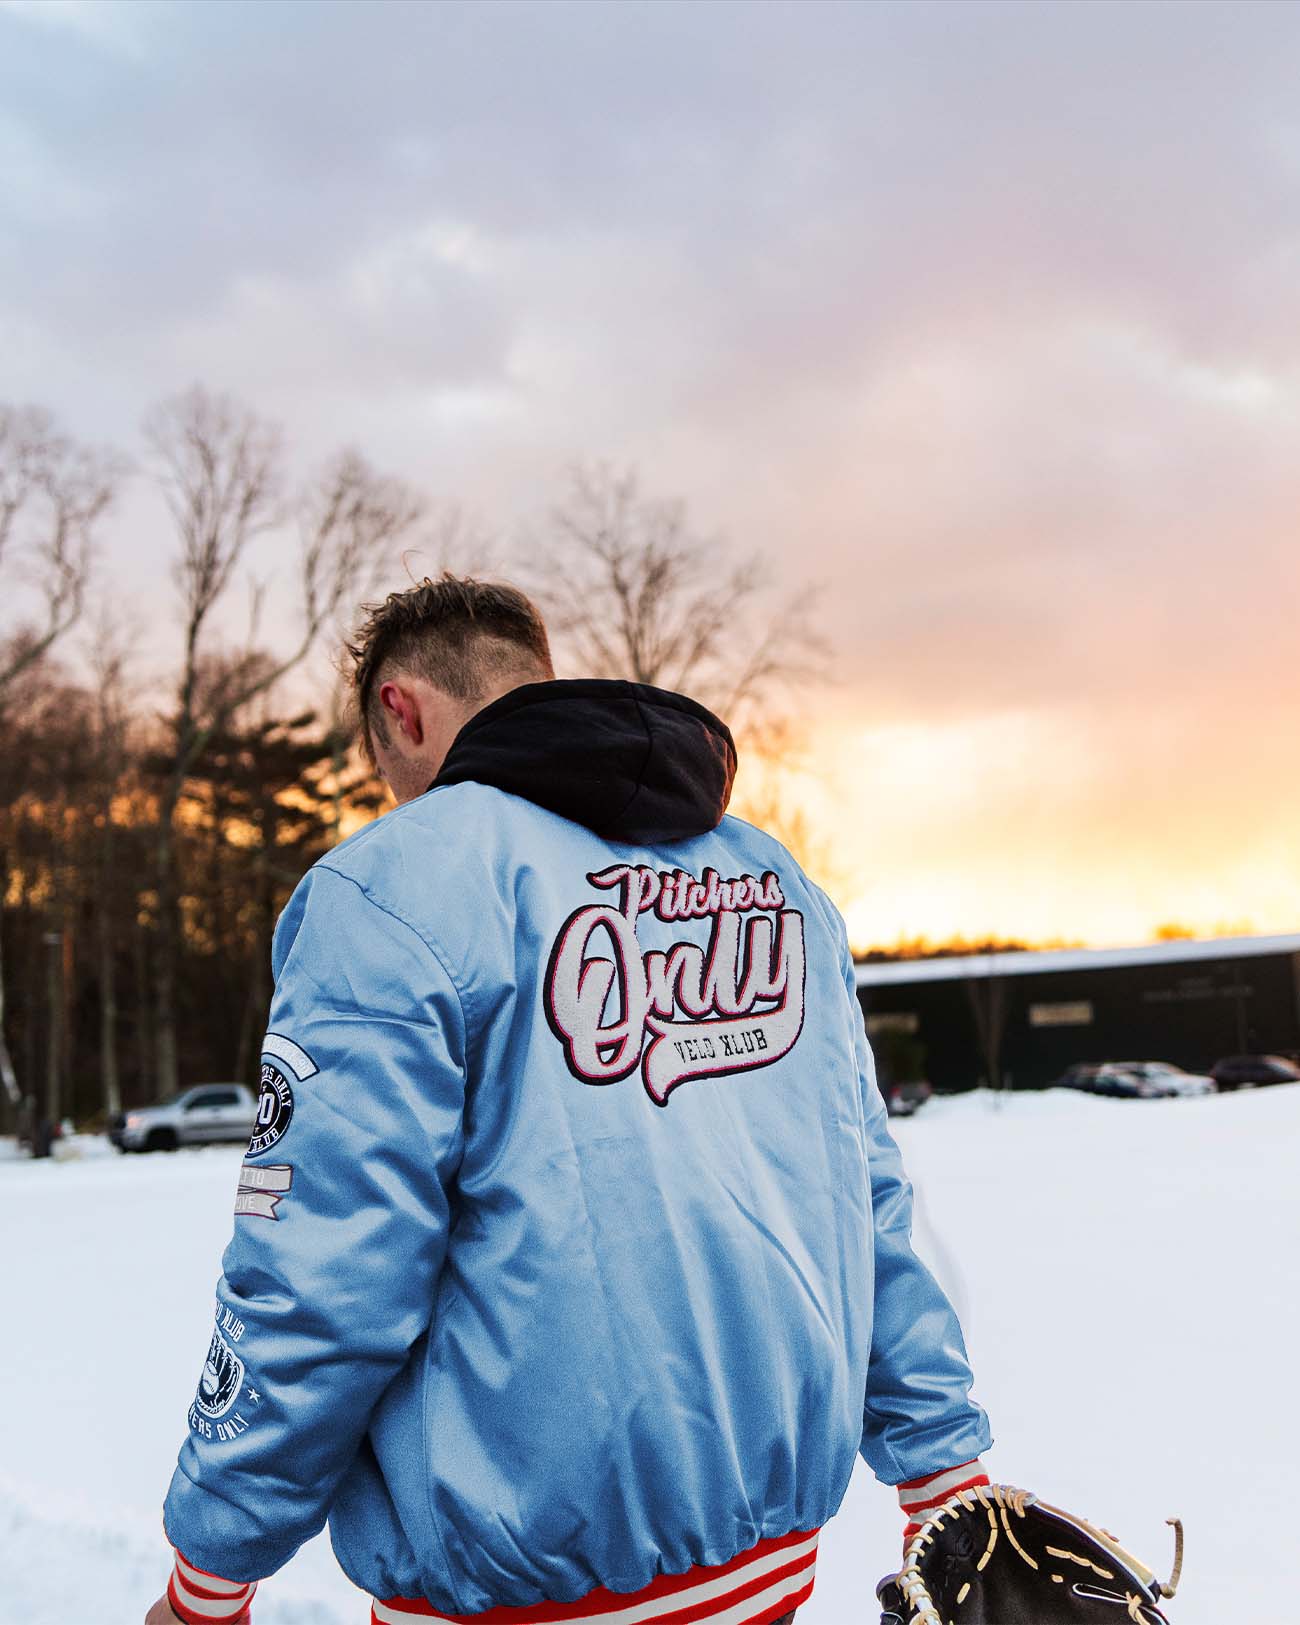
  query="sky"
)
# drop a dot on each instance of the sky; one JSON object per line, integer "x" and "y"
{"x": 984, "y": 318}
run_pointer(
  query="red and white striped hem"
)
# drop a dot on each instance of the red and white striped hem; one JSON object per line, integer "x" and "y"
{"x": 754, "y": 1588}
{"x": 920, "y": 1495}
{"x": 200, "y": 1598}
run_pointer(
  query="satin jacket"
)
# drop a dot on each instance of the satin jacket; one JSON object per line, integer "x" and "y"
{"x": 571, "y": 1246}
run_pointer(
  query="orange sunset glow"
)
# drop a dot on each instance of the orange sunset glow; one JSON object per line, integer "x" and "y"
{"x": 1001, "y": 828}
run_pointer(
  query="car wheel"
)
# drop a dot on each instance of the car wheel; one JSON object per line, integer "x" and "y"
{"x": 161, "y": 1139}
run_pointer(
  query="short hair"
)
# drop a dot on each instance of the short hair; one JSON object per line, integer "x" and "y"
{"x": 462, "y": 635}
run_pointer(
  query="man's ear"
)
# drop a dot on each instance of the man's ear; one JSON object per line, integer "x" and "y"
{"x": 403, "y": 707}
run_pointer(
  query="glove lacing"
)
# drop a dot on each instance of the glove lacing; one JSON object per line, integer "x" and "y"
{"x": 989, "y": 1496}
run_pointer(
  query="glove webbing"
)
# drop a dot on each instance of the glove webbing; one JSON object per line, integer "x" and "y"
{"x": 989, "y": 1496}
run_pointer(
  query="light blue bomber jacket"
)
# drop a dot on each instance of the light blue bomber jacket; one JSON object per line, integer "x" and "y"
{"x": 571, "y": 1247}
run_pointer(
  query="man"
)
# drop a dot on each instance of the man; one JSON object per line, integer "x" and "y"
{"x": 571, "y": 1266}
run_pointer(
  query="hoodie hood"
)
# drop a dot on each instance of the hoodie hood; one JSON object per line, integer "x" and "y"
{"x": 631, "y": 762}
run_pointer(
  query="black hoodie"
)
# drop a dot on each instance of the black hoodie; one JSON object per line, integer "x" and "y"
{"x": 631, "y": 762}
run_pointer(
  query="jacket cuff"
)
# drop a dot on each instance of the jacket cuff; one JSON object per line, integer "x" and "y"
{"x": 200, "y": 1598}
{"x": 919, "y": 1496}
{"x": 217, "y": 1534}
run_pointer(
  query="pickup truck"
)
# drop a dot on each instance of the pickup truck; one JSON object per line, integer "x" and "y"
{"x": 205, "y": 1114}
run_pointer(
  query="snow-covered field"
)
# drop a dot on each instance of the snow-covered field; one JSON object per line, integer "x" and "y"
{"x": 1128, "y": 1273}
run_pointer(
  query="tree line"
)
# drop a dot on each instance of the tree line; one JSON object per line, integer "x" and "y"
{"x": 160, "y": 797}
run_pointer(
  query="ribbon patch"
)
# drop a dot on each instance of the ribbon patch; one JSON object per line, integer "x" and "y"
{"x": 261, "y": 1189}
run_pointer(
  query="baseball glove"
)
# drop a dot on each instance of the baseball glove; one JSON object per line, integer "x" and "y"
{"x": 993, "y": 1555}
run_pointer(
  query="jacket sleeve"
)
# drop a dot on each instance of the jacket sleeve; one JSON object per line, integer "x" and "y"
{"x": 340, "y": 1230}
{"x": 918, "y": 1418}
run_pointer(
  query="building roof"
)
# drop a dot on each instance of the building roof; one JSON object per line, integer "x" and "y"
{"x": 1040, "y": 961}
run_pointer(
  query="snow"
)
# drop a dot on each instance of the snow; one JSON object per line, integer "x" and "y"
{"x": 1127, "y": 1272}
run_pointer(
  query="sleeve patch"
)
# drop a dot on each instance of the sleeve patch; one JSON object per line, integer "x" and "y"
{"x": 293, "y": 1055}
{"x": 261, "y": 1190}
{"x": 226, "y": 1401}
{"x": 274, "y": 1110}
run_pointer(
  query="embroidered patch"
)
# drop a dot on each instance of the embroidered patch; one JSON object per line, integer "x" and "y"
{"x": 274, "y": 1110}
{"x": 690, "y": 1011}
{"x": 223, "y": 1376}
{"x": 215, "y": 1415}
{"x": 262, "y": 1189}
{"x": 280, "y": 1055}
{"x": 293, "y": 1056}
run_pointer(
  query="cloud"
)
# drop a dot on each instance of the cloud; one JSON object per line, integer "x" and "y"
{"x": 115, "y": 27}
{"x": 986, "y": 314}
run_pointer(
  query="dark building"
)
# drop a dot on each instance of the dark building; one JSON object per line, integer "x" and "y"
{"x": 1017, "y": 1020}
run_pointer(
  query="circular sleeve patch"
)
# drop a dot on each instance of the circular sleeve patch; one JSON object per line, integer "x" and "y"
{"x": 223, "y": 1371}
{"x": 274, "y": 1109}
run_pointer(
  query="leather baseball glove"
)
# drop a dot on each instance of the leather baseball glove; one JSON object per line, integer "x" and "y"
{"x": 993, "y": 1555}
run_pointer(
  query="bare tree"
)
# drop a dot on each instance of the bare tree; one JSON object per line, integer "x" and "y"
{"x": 52, "y": 495}
{"x": 8, "y": 1077}
{"x": 222, "y": 470}
{"x": 44, "y": 771}
{"x": 455, "y": 540}
{"x": 633, "y": 591}
{"x": 109, "y": 658}
{"x": 351, "y": 519}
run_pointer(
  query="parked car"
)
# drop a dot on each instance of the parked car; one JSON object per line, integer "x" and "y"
{"x": 1164, "y": 1078}
{"x": 1076, "y": 1077}
{"x": 903, "y": 1099}
{"x": 1245, "y": 1071}
{"x": 1118, "y": 1084}
{"x": 1135, "y": 1080}
{"x": 207, "y": 1113}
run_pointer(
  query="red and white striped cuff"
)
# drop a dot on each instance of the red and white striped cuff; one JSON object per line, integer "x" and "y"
{"x": 754, "y": 1588}
{"x": 200, "y": 1598}
{"x": 921, "y": 1495}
